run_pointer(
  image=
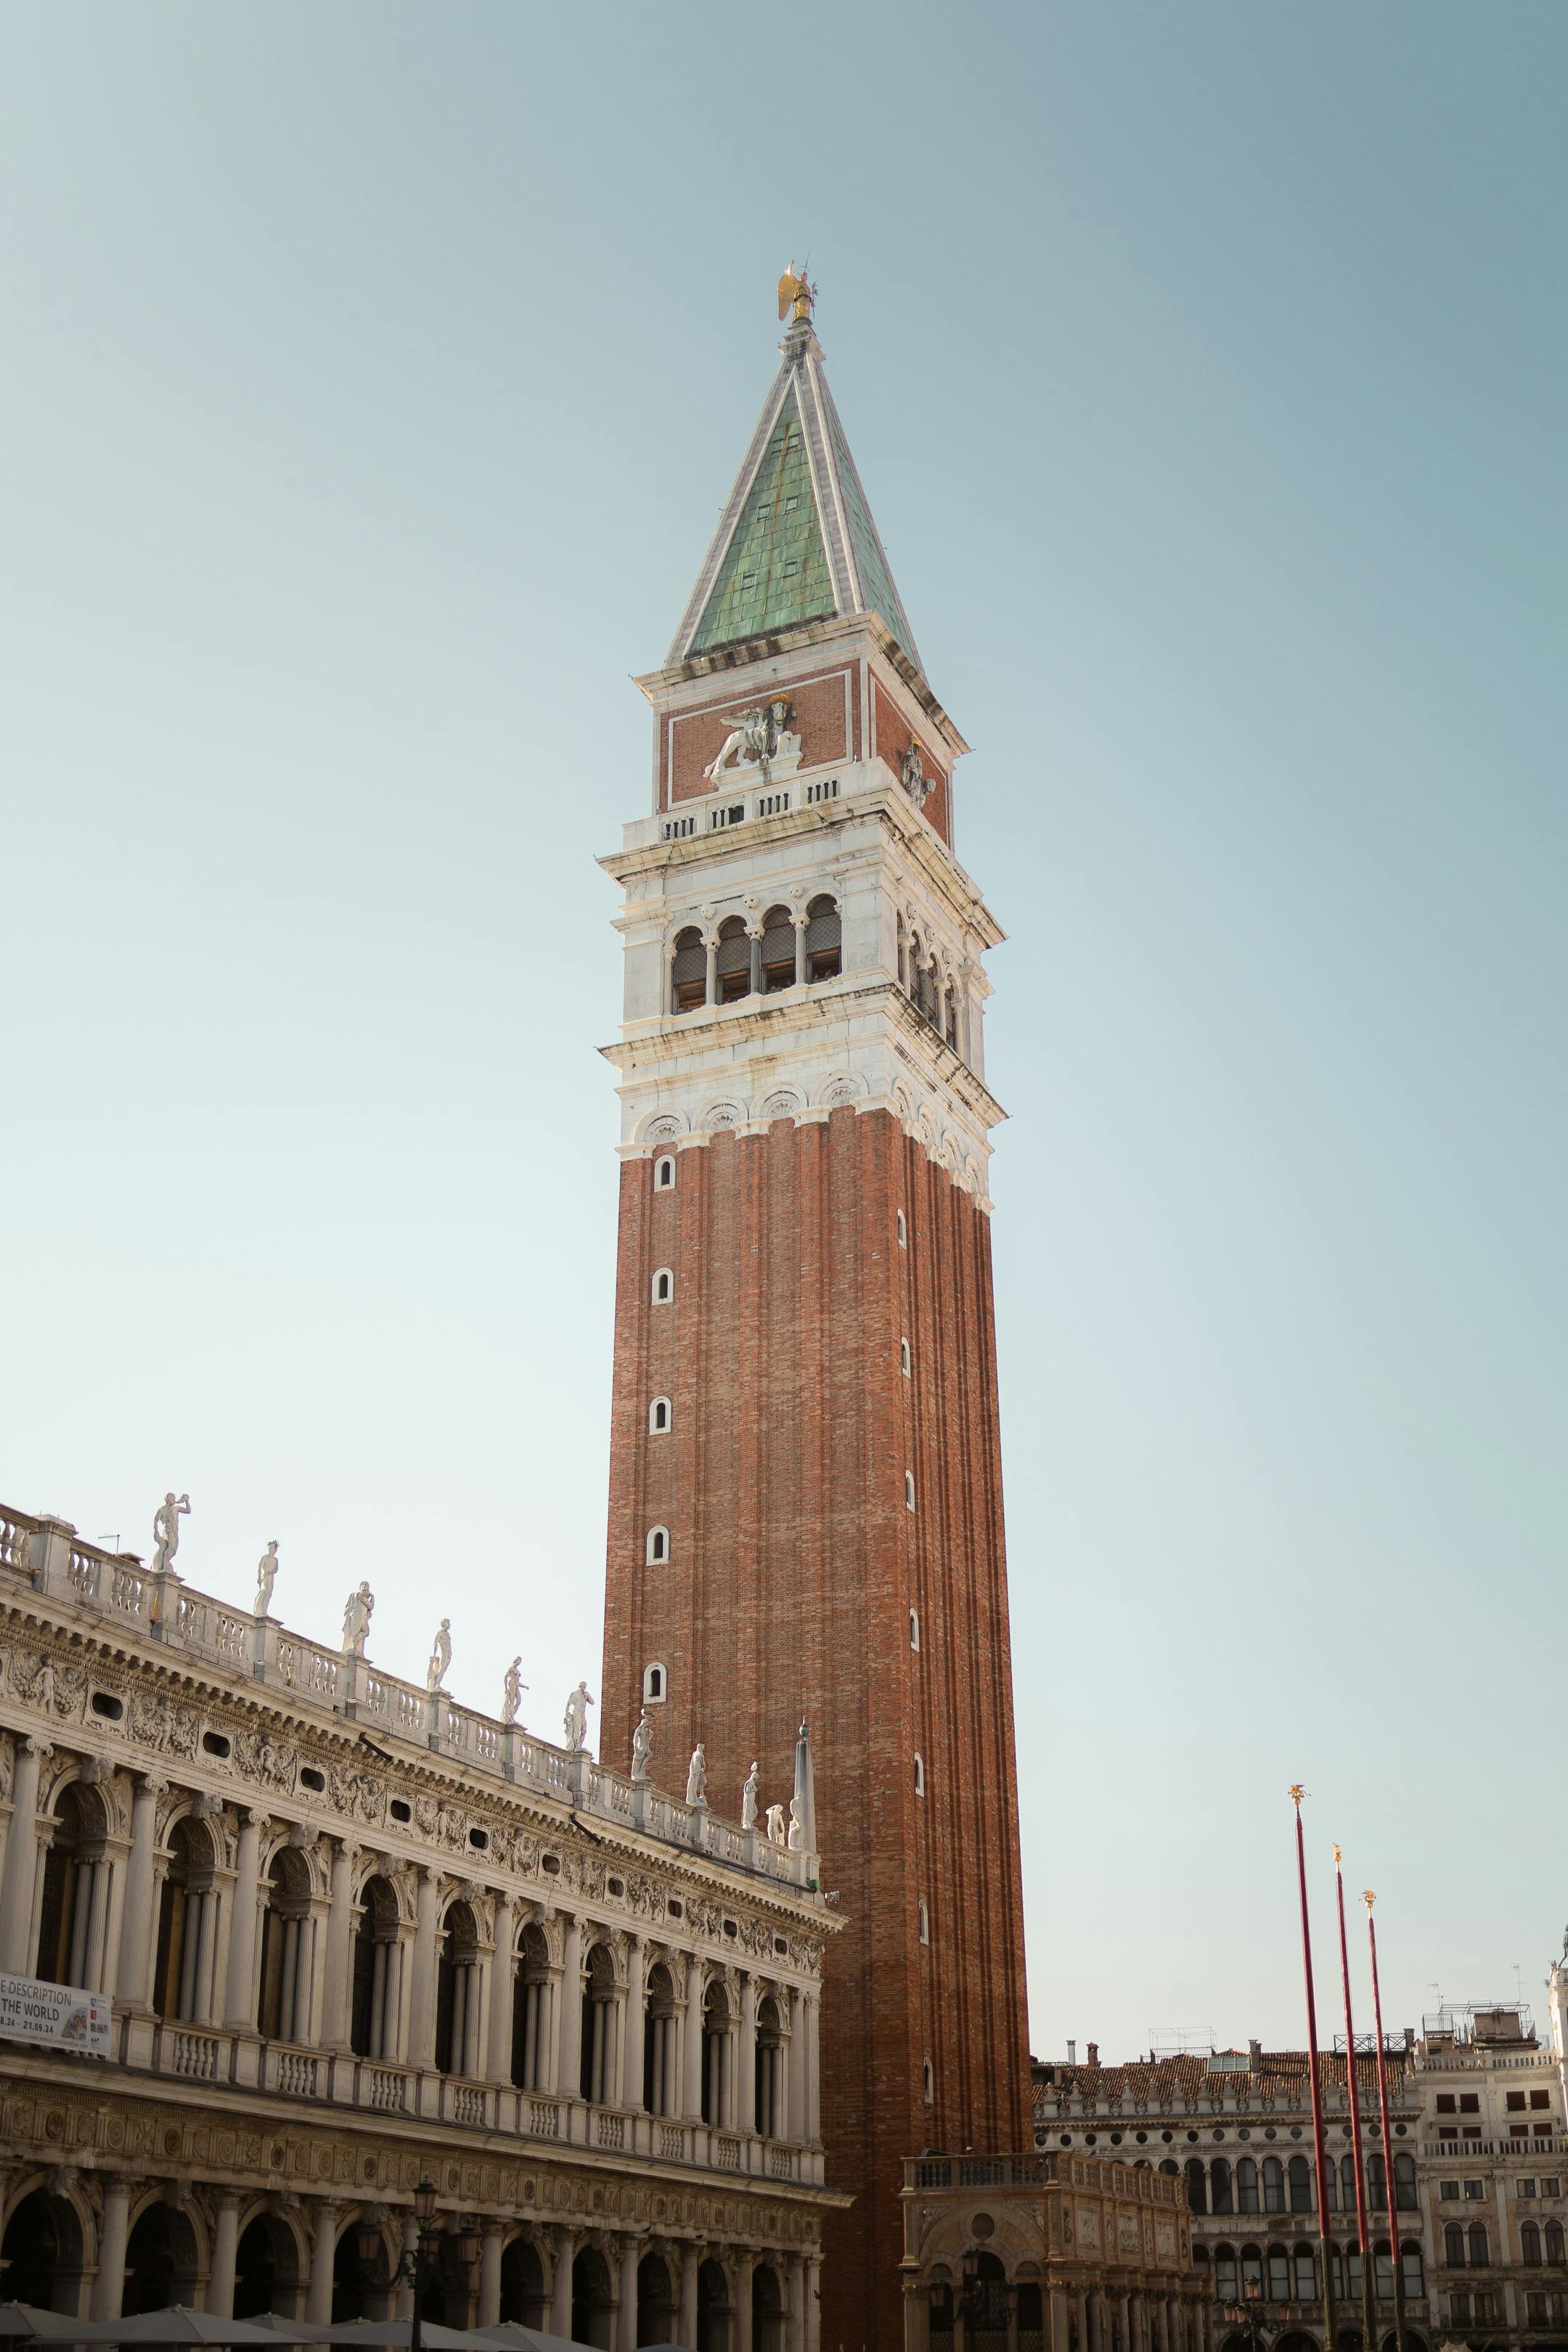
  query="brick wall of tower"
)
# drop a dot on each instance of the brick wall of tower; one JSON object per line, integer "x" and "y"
{"x": 795, "y": 1566}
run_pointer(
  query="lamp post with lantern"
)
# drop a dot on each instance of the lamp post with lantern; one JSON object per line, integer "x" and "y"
{"x": 423, "y": 2257}
{"x": 1248, "y": 2315}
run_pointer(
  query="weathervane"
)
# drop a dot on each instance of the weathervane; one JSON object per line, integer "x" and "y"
{"x": 795, "y": 287}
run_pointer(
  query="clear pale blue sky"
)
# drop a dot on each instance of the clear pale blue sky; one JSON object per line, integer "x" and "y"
{"x": 374, "y": 374}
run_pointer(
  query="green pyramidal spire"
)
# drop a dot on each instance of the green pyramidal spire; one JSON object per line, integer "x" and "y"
{"x": 795, "y": 541}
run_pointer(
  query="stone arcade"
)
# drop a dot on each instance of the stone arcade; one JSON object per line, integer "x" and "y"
{"x": 353, "y": 1931}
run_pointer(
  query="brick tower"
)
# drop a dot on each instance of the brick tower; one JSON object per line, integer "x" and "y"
{"x": 806, "y": 1482}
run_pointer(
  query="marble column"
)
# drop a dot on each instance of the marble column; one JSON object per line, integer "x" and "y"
{"x": 569, "y": 2039}
{"x": 637, "y": 2029}
{"x": 696, "y": 1986}
{"x": 812, "y": 2302}
{"x": 422, "y": 1995}
{"x": 490, "y": 2241}
{"x": 109, "y": 2287}
{"x": 403, "y": 2303}
{"x": 239, "y": 1999}
{"x": 324, "y": 2249}
{"x": 138, "y": 1941}
{"x": 560, "y": 2283}
{"x": 812, "y": 2120}
{"x": 691, "y": 2264}
{"x": 794, "y": 2308}
{"x": 226, "y": 2238}
{"x": 503, "y": 1990}
{"x": 338, "y": 1981}
{"x": 22, "y": 1863}
{"x": 746, "y": 2062}
{"x": 745, "y": 2265}
{"x": 626, "y": 2329}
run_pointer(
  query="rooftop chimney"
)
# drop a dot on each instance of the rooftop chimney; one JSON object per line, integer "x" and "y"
{"x": 1072, "y": 2053}
{"x": 1094, "y": 2054}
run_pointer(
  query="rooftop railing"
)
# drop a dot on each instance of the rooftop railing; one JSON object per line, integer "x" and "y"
{"x": 157, "y": 1604}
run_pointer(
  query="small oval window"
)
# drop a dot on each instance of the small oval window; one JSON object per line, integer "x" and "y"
{"x": 104, "y": 1703}
{"x": 311, "y": 1779}
{"x": 398, "y": 1807}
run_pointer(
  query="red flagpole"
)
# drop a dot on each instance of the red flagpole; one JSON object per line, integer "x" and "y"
{"x": 1369, "y": 1898}
{"x": 1369, "y": 2306}
{"x": 1328, "y": 2338}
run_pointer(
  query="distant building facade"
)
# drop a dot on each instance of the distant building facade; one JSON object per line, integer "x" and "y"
{"x": 354, "y": 1933}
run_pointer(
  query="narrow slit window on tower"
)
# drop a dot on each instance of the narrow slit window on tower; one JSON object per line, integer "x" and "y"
{"x": 663, "y": 1287}
{"x": 658, "y": 1417}
{"x": 664, "y": 1173}
{"x": 655, "y": 1683}
{"x": 903, "y": 1231}
{"x": 657, "y": 1551}
{"x": 919, "y": 1774}
{"x": 928, "y": 2082}
{"x": 824, "y": 939}
{"x": 923, "y": 1920}
{"x": 909, "y": 1490}
{"x": 689, "y": 970}
{"x": 905, "y": 1365}
{"x": 914, "y": 1629}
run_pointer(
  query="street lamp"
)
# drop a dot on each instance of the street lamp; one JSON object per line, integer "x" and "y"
{"x": 424, "y": 2256}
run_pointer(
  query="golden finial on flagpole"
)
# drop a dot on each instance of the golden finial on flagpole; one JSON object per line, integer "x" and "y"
{"x": 1369, "y": 1898}
{"x": 1295, "y": 1792}
{"x": 1336, "y": 1857}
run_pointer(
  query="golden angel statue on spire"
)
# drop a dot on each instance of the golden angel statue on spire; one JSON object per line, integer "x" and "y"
{"x": 795, "y": 287}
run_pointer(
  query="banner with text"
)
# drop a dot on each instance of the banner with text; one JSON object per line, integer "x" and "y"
{"x": 61, "y": 2014}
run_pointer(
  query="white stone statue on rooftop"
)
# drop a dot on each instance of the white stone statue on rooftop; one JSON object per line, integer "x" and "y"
{"x": 166, "y": 1529}
{"x": 748, "y": 1799}
{"x": 576, "y": 1718}
{"x": 796, "y": 1827}
{"x": 697, "y": 1776}
{"x": 775, "y": 1825}
{"x": 642, "y": 1746}
{"x": 265, "y": 1578}
{"x": 441, "y": 1657}
{"x": 356, "y": 1620}
{"x": 513, "y": 1690}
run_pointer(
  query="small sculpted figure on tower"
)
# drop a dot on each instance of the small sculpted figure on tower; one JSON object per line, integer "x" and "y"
{"x": 265, "y": 1578}
{"x": 775, "y": 1825}
{"x": 796, "y": 1827}
{"x": 748, "y": 1799}
{"x": 511, "y": 1690}
{"x": 166, "y": 1529}
{"x": 441, "y": 1657}
{"x": 356, "y": 1620}
{"x": 697, "y": 1777}
{"x": 576, "y": 1718}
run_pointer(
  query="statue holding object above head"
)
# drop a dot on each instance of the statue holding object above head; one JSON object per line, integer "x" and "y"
{"x": 166, "y": 1529}
{"x": 576, "y": 1718}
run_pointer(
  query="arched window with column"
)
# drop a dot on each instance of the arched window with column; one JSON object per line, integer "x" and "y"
{"x": 530, "y": 2011}
{"x": 689, "y": 970}
{"x": 718, "y": 2058}
{"x": 1383, "y": 2271}
{"x": 777, "y": 952}
{"x": 458, "y": 2003}
{"x": 1299, "y": 2176}
{"x": 990, "y": 2331}
{"x": 269, "y": 2270}
{"x": 824, "y": 939}
{"x": 1530, "y": 2245}
{"x": 1347, "y": 2184}
{"x": 733, "y": 967}
{"x": 715, "y": 2309}
{"x": 593, "y": 2299}
{"x": 660, "y": 2044}
{"x": 1220, "y": 2197}
{"x": 287, "y": 1955}
{"x": 1454, "y": 2246}
{"x": 1404, "y": 2183}
{"x": 1225, "y": 2275}
{"x": 658, "y": 2310}
{"x": 1554, "y": 2241}
{"x": 1278, "y": 2262}
{"x": 522, "y": 2296}
{"x": 376, "y": 2003}
{"x": 1251, "y": 2270}
{"x": 1410, "y": 2268}
{"x": 42, "y": 2249}
{"x": 74, "y": 1900}
{"x": 1480, "y": 2246}
{"x": 598, "y": 2062}
{"x": 162, "y": 2261}
{"x": 1246, "y": 2184}
{"x": 769, "y": 2070}
{"x": 1197, "y": 2185}
{"x": 1273, "y": 2185}
{"x": 1304, "y": 2281}
{"x": 767, "y": 2310}
{"x": 188, "y": 1928}
{"x": 1377, "y": 2181}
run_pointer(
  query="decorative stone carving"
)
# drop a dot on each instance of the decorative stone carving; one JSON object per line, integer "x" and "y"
{"x": 356, "y": 1620}
{"x": 576, "y": 1718}
{"x": 697, "y": 1776}
{"x": 913, "y": 777}
{"x": 775, "y": 1822}
{"x": 748, "y": 1799}
{"x": 783, "y": 1102}
{"x": 441, "y": 1657}
{"x": 721, "y": 1115}
{"x": 664, "y": 1129}
{"x": 513, "y": 1688}
{"x": 265, "y": 1578}
{"x": 166, "y": 1530}
{"x": 642, "y": 1746}
{"x": 758, "y": 739}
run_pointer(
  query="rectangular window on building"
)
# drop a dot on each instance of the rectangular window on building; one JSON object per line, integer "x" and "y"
{"x": 1541, "y": 2098}
{"x": 1447, "y": 2131}
{"x": 1537, "y": 2307}
{"x": 1475, "y": 2188}
{"x": 1514, "y": 2100}
{"x": 1527, "y": 2188}
{"x": 1469, "y": 2131}
{"x": 1551, "y": 2189}
{"x": 1469, "y": 2103}
{"x": 1459, "y": 2310}
{"x": 1519, "y": 2131}
{"x": 1448, "y": 2188}
{"x": 1544, "y": 2131}
{"x": 1445, "y": 2103}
